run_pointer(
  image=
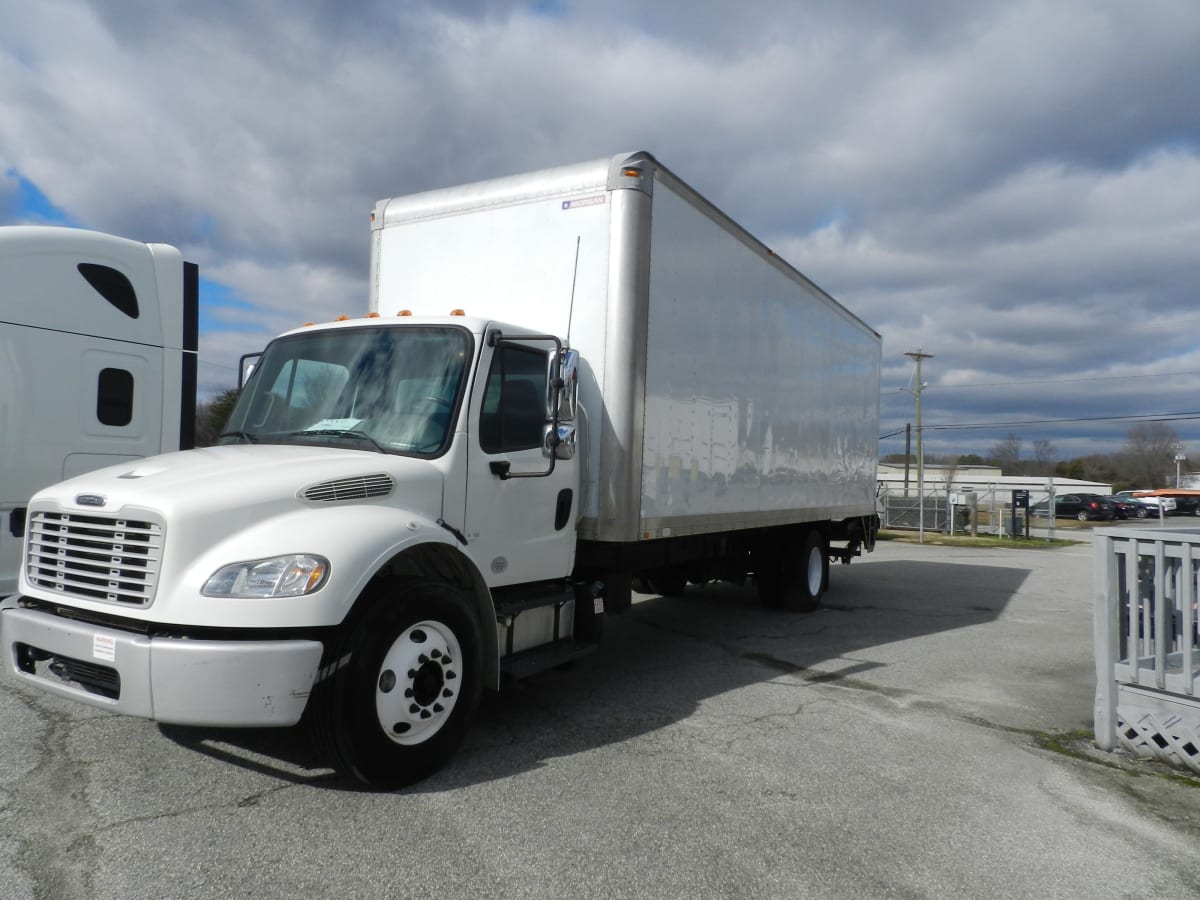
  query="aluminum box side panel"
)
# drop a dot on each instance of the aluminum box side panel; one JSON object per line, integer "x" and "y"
{"x": 762, "y": 392}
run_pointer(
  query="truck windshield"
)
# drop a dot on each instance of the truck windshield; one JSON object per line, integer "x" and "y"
{"x": 385, "y": 389}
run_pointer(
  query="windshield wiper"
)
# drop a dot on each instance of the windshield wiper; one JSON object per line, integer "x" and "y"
{"x": 249, "y": 438}
{"x": 339, "y": 432}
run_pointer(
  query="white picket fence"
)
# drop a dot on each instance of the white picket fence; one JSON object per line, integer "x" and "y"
{"x": 1147, "y": 651}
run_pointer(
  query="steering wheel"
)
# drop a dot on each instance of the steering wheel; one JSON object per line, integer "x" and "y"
{"x": 439, "y": 402}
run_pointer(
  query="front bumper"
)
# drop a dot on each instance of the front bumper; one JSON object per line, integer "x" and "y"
{"x": 172, "y": 680}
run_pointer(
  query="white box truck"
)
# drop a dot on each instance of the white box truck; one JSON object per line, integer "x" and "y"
{"x": 567, "y": 381}
{"x": 97, "y": 361}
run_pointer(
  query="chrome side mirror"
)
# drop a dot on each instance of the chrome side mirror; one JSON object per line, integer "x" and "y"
{"x": 568, "y": 397}
{"x": 567, "y": 442}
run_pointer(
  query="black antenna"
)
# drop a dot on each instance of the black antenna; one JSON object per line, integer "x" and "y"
{"x": 574, "y": 278}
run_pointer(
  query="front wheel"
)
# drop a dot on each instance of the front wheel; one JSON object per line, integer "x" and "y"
{"x": 1082, "y": 516}
{"x": 399, "y": 690}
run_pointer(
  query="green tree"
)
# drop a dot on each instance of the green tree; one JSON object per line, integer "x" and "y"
{"x": 212, "y": 415}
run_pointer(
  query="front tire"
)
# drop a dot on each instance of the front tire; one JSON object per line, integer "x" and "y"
{"x": 400, "y": 688}
{"x": 1082, "y": 516}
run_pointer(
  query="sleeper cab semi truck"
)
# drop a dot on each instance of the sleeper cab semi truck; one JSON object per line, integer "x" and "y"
{"x": 568, "y": 382}
{"x": 97, "y": 362}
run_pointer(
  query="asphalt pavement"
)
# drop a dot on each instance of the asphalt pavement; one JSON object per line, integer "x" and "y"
{"x": 924, "y": 734}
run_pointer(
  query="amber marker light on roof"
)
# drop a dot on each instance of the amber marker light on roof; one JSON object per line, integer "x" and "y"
{"x": 373, "y": 315}
{"x": 404, "y": 312}
{"x": 631, "y": 172}
{"x": 458, "y": 312}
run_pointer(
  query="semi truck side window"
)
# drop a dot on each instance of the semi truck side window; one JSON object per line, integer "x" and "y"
{"x": 513, "y": 415}
{"x": 114, "y": 397}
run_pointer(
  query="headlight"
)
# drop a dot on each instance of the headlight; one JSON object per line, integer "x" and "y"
{"x": 280, "y": 576}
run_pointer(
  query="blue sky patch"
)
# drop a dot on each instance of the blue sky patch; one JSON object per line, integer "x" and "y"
{"x": 216, "y": 301}
{"x": 32, "y": 206}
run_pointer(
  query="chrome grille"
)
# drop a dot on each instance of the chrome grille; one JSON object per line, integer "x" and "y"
{"x": 94, "y": 557}
{"x": 358, "y": 488}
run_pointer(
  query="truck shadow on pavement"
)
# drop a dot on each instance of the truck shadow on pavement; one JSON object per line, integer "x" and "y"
{"x": 662, "y": 660}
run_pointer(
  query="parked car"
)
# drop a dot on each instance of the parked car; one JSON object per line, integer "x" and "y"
{"x": 1133, "y": 508}
{"x": 1084, "y": 507}
{"x": 1167, "y": 503}
{"x": 1185, "y": 504}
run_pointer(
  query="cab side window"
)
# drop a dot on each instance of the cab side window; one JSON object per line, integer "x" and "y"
{"x": 114, "y": 397}
{"x": 513, "y": 415}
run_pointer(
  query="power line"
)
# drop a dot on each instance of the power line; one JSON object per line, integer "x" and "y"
{"x": 1147, "y": 417}
{"x": 1061, "y": 381}
{"x": 983, "y": 384}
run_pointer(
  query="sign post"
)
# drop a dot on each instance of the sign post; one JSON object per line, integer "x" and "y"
{"x": 1020, "y": 500}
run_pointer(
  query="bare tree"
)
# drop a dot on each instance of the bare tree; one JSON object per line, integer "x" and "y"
{"x": 1007, "y": 454}
{"x": 1149, "y": 452}
{"x": 1043, "y": 454}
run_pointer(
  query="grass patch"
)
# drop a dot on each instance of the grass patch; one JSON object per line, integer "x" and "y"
{"x": 1081, "y": 745}
{"x": 983, "y": 540}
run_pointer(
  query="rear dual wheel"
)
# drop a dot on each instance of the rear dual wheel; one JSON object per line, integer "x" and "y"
{"x": 790, "y": 576}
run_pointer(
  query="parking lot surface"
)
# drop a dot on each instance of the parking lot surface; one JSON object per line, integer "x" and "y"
{"x": 903, "y": 741}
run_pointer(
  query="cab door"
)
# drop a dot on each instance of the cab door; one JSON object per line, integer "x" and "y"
{"x": 521, "y": 503}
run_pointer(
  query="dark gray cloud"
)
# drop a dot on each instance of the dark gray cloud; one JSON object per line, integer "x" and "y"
{"x": 1012, "y": 185}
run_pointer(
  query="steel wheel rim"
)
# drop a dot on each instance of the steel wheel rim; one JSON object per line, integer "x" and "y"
{"x": 418, "y": 683}
{"x": 814, "y": 571}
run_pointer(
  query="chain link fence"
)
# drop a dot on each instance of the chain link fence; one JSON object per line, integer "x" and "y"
{"x": 978, "y": 512}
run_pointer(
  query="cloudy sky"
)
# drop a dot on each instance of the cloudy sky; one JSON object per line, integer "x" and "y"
{"x": 1012, "y": 186}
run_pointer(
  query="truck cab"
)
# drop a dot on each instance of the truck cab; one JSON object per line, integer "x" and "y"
{"x": 474, "y": 401}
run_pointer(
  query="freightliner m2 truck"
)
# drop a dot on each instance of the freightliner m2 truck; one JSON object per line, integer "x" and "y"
{"x": 569, "y": 382}
{"x": 97, "y": 362}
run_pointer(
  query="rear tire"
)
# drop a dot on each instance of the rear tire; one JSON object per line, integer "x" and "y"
{"x": 792, "y": 577}
{"x": 399, "y": 689}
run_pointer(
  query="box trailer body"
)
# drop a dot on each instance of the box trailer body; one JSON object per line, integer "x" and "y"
{"x": 97, "y": 361}
{"x": 567, "y": 383}
{"x": 723, "y": 389}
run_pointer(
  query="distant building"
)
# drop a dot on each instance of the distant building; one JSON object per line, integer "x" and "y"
{"x": 983, "y": 480}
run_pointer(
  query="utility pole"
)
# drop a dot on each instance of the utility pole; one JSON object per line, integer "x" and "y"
{"x": 917, "y": 356}
{"x": 907, "y": 453}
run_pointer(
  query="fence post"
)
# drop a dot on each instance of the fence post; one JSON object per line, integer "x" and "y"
{"x": 1105, "y": 636}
